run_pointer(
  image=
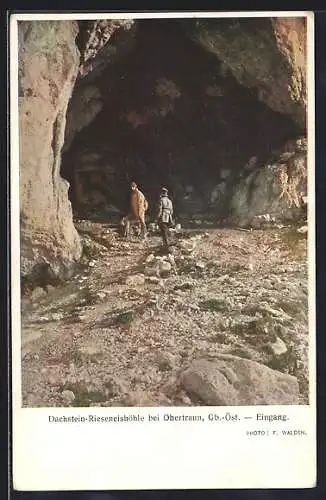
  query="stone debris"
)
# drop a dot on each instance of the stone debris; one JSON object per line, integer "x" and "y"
{"x": 150, "y": 259}
{"x": 145, "y": 325}
{"x": 187, "y": 246}
{"x": 167, "y": 361}
{"x": 68, "y": 397}
{"x": 136, "y": 280}
{"x": 278, "y": 347}
{"x": 165, "y": 268}
{"x": 37, "y": 293}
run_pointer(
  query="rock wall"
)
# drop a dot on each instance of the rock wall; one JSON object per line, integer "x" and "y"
{"x": 100, "y": 43}
{"x": 48, "y": 66}
{"x": 275, "y": 192}
{"x": 267, "y": 55}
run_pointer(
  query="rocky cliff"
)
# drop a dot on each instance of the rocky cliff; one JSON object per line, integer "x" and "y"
{"x": 48, "y": 64}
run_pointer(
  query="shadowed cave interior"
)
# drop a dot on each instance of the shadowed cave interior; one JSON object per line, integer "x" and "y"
{"x": 171, "y": 115}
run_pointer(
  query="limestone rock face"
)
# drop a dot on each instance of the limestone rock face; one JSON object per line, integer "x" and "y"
{"x": 268, "y": 55}
{"x": 84, "y": 106}
{"x": 229, "y": 380}
{"x": 276, "y": 191}
{"x": 100, "y": 43}
{"x": 94, "y": 38}
{"x": 48, "y": 66}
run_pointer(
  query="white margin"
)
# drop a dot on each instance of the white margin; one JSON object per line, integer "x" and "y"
{"x": 26, "y": 421}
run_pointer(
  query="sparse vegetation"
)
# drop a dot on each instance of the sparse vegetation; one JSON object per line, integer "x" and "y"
{"x": 83, "y": 396}
{"x": 213, "y": 305}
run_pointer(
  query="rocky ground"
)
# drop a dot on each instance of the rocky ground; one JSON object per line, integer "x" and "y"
{"x": 221, "y": 321}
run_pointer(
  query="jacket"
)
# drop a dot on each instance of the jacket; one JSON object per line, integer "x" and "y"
{"x": 139, "y": 204}
{"x": 165, "y": 210}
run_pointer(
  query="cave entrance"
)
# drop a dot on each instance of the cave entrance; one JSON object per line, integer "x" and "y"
{"x": 169, "y": 115}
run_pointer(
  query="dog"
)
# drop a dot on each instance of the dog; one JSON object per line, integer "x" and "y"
{"x": 128, "y": 224}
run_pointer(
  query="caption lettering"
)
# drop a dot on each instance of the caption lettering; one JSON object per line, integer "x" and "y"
{"x": 212, "y": 417}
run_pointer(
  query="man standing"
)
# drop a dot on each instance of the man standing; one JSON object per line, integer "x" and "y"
{"x": 165, "y": 216}
{"x": 138, "y": 207}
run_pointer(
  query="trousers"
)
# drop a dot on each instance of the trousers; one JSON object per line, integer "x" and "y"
{"x": 164, "y": 228}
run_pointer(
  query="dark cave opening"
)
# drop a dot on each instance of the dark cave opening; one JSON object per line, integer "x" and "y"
{"x": 171, "y": 116}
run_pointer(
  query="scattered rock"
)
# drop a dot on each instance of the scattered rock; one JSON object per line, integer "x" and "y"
{"x": 37, "y": 293}
{"x": 184, "y": 286}
{"x": 187, "y": 246}
{"x": 147, "y": 335}
{"x": 151, "y": 272}
{"x": 150, "y": 259}
{"x": 68, "y": 396}
{"x": 302, "y": 229}
{"x": 186, "y": 400}
{"x": 153, "y": 279}
{"x": 164, "y": 268}
{"x": 101, "y": 295}
{"x": 135, "y": 280}
{"x": 166, "y": 361}
{"x": 138, "y": 398}
{"x": 90, "y": 349}
{"x": 278, "y": 347}
{"x": 115, "y": 387}
{"x": 200, "y": 265}
{"x": 229, "y": 380}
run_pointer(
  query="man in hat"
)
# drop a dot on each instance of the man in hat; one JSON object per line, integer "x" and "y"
{"x": 138, "y": 208}
{"x": 165, "y": 216}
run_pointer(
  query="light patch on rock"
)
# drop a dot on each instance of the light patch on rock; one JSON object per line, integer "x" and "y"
{"x": 229, "y": 380}
{"x": 278, "y": 347}
{"x": 165, "y": 268}
{"x": 68, "y": 396}
{"x": 150, "y": 259}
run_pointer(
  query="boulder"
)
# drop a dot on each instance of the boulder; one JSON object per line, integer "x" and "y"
{"x": 228, "y": 380}
{"x": 68, "y": 397}
{"x": 278, "y": 347}
{"x": 165, "y": 268}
